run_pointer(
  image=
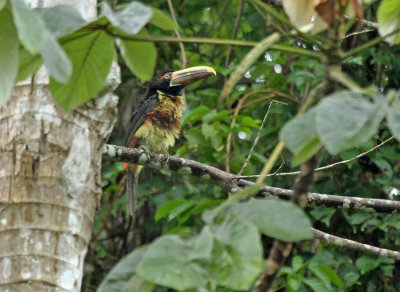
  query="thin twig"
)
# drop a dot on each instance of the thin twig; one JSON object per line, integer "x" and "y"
{"x": 258, "y": 136}
{"x": 354, "y": 245}
{"x": 234, "y": 33}
{"x": 358, "y": 32}
{"x": 280, "y": 146}
{"x": 273, "y": 93}
{"x": 240, "y": 106}
{"x": 181, "y": 46}
{"x": 229, "y": 138}
{"x": 326, "y": 166}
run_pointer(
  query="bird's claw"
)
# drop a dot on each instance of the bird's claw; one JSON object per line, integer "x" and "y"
{"x": 146, "y": 151}
{"x": 164, "y": 158}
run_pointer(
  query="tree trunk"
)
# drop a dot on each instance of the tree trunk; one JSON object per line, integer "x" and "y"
{"x": 50, "y": 181}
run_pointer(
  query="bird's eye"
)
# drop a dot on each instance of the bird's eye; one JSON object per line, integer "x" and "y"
{"x": 167, "y": 76}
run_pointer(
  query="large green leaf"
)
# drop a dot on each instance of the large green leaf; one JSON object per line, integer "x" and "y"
{"x": 139, "y": 56}
{"x": 173, "y": 262}
{"x": 300, "y": 136}
{"x": 91, "y": 56}
{"x": 389, "y": 20}
{"x": 56, "y": 60}
{"x": 347, "y": 119}
{"x": 31, "y": 29}
{"x": 138, "y": 284}
{"x": 308, "y": 151}
{"x": 131, "y": 19}
{"x": 162, "y": 21}
{"x": 237, "y": 254}
{"x": 61, "y": 19}
{"x": 8, "y": 56}
{"x": 121, "y": 273}
{"x": 2, "y": 3}
{"x": 393, "y": 118}
{"x": 275, "y": 218}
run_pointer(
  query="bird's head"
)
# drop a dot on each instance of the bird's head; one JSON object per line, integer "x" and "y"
{"x": 172, "y": 82}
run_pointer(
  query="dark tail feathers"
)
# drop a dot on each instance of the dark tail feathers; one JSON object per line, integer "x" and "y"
{"x": 131, "y": 191}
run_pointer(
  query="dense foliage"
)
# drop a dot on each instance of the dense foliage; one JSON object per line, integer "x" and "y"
{"x": 173, "y": 204}
{"x": 330, "y": 90}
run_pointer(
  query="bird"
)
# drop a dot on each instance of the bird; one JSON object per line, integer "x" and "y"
{"x": 154, "y": 124}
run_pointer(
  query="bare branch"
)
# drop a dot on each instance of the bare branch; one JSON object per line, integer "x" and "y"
{"x": 354, "y": 245}
{"x": 232, "y": 183}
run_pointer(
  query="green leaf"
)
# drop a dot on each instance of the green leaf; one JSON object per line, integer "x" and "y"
{"x": 358, "y": 218}
{"x": 28, "y": 64}
{"x": 307, "y": 152}
{"x": 56, "y": 60}
{"x": 2, "y": 3}
{"x": 170, "y": 262}
{"x": 138, "y": 284}
{"x": 315, "y": 284}
{"x": 297, "y": 263}
{"x": 173, "y": 208}
{"x": 199, "y": 207}
{"x": 9, "y": 55}
{"x": 237, "y": 254}
{"x": 195, "y": 136}
{"x": 163, "y": 21}
{"x": 140, "y": 57}
{"x": 194, "y": 115}
{"x": 321, "y": 275}
{"x": 203, "y": 245}
{"x": 61, "y": 19}
{"x": 91, "y": 56}
{"x": 247, "y": 192}
{"x": 393, "y": 118}
{"x": 367, "y": 263}
{"x": 389, "y": 20}
{"x": 384, "y": 166}
{"x": 300, "y": 136}
{"x": 298, "y": 132}
{"x": 331, "y": 274}
{"x": 121, "y": 273}
{"x": 346, "y": 120}
{"x": 293, "y": 283}
{"x": 215, "y": 116}
{"x": 208, "y": 130}
{"x": 249, "y": 122}
{"x": 275, "y": 218}
{"x": 131, "y": 19}
{"x": 31, "y": 30}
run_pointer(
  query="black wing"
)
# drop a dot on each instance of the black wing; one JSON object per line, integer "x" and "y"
{"x": 140, "y": 114}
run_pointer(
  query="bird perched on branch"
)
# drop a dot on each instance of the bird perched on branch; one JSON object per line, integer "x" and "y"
{"x": 154, "y": 124}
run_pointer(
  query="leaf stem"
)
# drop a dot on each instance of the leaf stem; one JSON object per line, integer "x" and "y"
{"x": 212, "y": 41}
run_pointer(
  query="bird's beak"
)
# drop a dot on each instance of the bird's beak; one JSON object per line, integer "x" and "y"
{"x": 189, "y": 75}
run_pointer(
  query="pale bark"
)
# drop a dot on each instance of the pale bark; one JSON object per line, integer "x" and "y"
{"x": 50, "y": 181}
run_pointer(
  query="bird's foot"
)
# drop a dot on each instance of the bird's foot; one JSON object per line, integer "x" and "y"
{"x": 146, "y": 152}
{"x": 164, "y": 158}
